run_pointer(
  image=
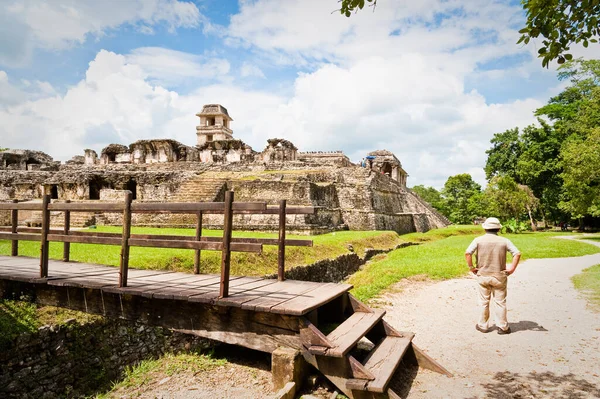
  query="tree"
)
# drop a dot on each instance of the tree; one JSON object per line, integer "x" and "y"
{"x": 457, "y": 192}
{"x": 532, "y": 157}
{"x": 580, "y": 157}
{"x": 512, "y": 200}
{"x": 561, "y": 23}
{"x": 504, "y": 154}
{"x": 432, "y": 196}
{"x": 349, "y": 6}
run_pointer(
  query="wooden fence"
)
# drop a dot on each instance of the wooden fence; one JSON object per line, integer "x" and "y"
{"x": 225, "y": 244}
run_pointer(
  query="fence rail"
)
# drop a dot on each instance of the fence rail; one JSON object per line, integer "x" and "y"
{"x": 225, "y": 244}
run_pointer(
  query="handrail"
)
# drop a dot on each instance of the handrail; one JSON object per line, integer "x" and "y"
{"x": 225, "y": 244}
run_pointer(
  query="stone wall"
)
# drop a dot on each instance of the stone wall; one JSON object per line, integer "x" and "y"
{"x": 337, "y": 269}
{"x": 75, "y": 360}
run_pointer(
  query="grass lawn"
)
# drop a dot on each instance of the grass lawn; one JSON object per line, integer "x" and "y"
{"x": 18, "y": 317}
{"x": 588, "y": 282}
{"x": 150, "y": 370}
{"x": 324, "y": 246}
{"x": 444, "y": 257}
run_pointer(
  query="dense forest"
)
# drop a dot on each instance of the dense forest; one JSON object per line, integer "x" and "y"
{"x": 548, "y": 171}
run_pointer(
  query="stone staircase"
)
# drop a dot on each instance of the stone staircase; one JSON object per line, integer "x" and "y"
{"x": 200, "y": 189}
{"x": 358, "y": 351}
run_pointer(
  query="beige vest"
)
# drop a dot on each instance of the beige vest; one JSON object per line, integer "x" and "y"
{"x": 491, "y": 255}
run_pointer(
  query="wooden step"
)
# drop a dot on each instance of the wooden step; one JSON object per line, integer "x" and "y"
{"x": 347, "y": 334}
{"x": 382, "y": 362}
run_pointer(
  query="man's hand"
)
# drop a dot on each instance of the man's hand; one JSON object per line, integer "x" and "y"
{"x": 474, "y": 270}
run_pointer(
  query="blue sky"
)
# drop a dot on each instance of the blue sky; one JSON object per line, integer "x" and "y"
{"x": 431, "y": 81}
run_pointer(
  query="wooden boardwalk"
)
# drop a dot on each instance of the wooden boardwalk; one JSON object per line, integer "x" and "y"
{"x": 250, "y": 293}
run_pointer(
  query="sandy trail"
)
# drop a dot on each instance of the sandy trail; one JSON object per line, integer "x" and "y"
{"x": 554, "y": 350}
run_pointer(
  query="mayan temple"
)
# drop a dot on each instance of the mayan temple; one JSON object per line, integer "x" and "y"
{"x": 351, "y": 196}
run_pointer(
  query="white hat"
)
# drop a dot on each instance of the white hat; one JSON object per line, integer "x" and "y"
{"x": 491, "y": 224}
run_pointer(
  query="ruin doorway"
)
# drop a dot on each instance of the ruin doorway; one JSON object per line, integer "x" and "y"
{"x": 30, "y": 162}
{"x": 54, "y": 191}
{"x": 132, "y": 186}
{"x": 386, "y": 169}
{"x": 96, "y": 185}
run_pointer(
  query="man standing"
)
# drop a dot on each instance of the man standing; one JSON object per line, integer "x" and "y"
{"x": 492, "y": 273}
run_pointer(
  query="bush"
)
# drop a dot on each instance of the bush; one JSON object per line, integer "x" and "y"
{"x": 515, "y": 226}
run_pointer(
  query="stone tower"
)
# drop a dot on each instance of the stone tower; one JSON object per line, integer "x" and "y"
{"x": 214, "y": 124}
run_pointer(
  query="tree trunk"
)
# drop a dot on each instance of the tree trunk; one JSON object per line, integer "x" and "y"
{"x": 533, "y": 224}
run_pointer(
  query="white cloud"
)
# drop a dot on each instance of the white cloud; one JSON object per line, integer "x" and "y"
{"x": 251, "y": 70}
{"x": 393, "y": 79}
{"x": 25, "y": 24}
{"x": 422, "y": 114}
{"x": 116, "y": 102}
{"x": 169, "y": 67}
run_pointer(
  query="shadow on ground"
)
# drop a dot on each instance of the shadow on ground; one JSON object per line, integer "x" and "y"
{"x": 507, "y": 385}
{"x": 403, "y": 378}
{"x": 525, "y": 325}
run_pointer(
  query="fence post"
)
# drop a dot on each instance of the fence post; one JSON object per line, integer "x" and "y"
{"x": 44, "y": 245}
{"x": 198, "y": 236}
{"x": 14, "y": 223}
{"x": 226, "y": 253}
{"x": 281, "y": 243}
{"x": 124, "y": 266}
{"x": 67, "y": 245}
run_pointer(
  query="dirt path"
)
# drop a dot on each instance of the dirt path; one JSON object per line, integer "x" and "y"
{"x": 554, "y": 350}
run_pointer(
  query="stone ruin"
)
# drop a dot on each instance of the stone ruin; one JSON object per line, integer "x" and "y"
{"x": 346, "y": 195}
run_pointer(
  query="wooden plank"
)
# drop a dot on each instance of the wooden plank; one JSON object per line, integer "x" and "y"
{"x": 105, "y": 280}
{"x": 247, "y": 293}
{"x": 146, "y": 285}
{"x": 21, "y": 206}
{"x": 20, "y": 236}
{"x": 169, "y": 292}
{"x": 347, "y": 334}
{"x": 197, "y": 252}
{"x": 226, "y": 249}
{"x": 84, "y": 240}
{"x": 66, "y": 228}
{"x": 193, "y": 207}
{"x": 284, "y": 291}
{"x": 44, "y": 245}
{"x": 184, "y": 291}
{"x": 87, "y": 207}
{"x": 281, "y": 242}
{"x": 312, "y": 337}
{"x": 212, "y": 296}
{"x": 264, "y": 241}
{"x": 124, "y": 263}
{"x": 14, "y": 223}
{"x": 383, "y": 361}
{"x": 5, "y": 260}
{"x": 191, "y": 244}
{"x": 291, "y": 210}
{"x": 427, "y": 362}
{"x": 312, "y": 300}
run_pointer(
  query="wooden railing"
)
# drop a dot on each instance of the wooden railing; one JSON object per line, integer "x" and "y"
{"x": 225, "y": 244}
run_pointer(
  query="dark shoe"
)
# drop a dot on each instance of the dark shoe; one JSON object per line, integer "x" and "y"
{"x": 487, "y": 330}
{"x": 503, "y": 332}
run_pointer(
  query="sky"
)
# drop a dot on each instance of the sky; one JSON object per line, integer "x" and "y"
{"x": 429, "y": 80}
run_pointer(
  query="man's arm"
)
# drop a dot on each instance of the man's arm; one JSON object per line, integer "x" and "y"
{"x": 513, "y": 266}
{"x": 516, "y": 257}
{"x": 469, "y": 258}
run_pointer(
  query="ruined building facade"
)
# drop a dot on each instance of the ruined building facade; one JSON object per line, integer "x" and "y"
{"x": 346, "y": 195}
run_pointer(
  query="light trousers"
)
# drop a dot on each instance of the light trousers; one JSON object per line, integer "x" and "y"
{"x": 492, "y": 288}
